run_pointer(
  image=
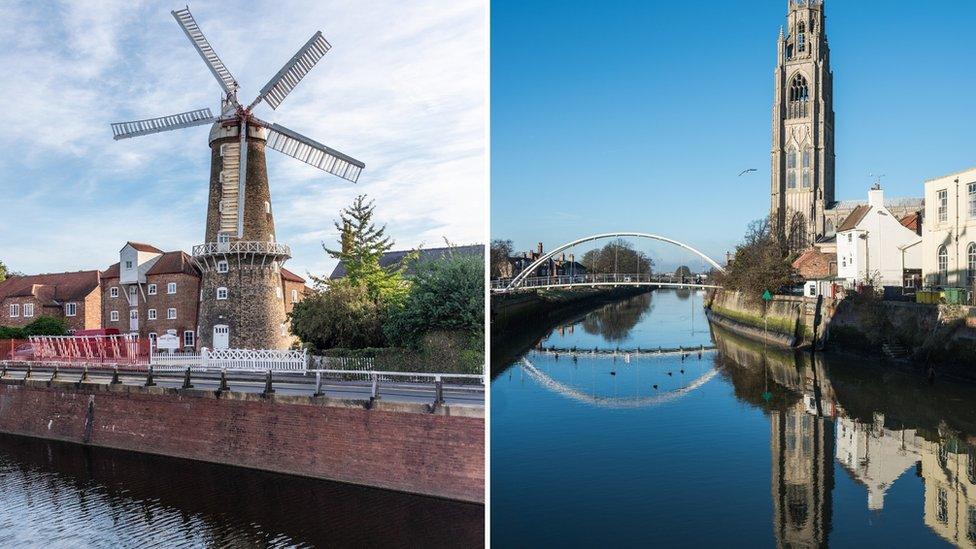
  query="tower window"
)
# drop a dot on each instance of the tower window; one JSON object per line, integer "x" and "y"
{"x": 801, "y": 37}
{"x": 222, "y": 266}
{"x": 799, "y": 95}
{"x": 807, "y": 177}
{"x": 221, "y": 293}
{"x": 791, "y": 168}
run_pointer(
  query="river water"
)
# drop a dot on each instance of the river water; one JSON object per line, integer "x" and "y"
{"x": 743, "y": 447}
{"x": 56, "y": 494}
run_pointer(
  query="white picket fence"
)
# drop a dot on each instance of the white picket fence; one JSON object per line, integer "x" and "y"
{"x": 260, "y": 360}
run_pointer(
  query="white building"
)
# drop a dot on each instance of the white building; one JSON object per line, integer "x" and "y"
{"x": 875, "y": 246}
{"x": 949, "y": 235}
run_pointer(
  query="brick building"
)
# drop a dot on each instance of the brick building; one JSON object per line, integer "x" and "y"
{"x": 150, "y": 292}
{"x": 74, "y": 296}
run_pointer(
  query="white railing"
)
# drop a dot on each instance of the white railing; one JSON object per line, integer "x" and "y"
{"x": 340, "y": 363}
{"x": 241, "y": 247}
{"x": 601, "y": 279}
{"x": 257, "y": 360}
{"x": 376, "y": 376}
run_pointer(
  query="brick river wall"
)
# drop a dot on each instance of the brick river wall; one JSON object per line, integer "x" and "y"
{"x": 395, "y": 446}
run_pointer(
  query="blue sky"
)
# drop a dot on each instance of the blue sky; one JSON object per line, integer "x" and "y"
{"x": 638, "y": 116}
{"x": 402, "y": 89}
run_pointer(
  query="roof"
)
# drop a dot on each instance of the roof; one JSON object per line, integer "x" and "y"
{"x": 51, "y": 287}
{"x": 168, "y": 263}
{"x": 854, "y": 218}
{"x": 288, "y": 275}
{"x": 426, "y": 254}
{"x": 911, "y": 221}
{"x": 144, "y": 247}
{"x": 902, "y": 202}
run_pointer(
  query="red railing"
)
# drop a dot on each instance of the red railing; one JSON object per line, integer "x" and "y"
{"x": 123, "y": 350}
{"x": 9, "y": 346}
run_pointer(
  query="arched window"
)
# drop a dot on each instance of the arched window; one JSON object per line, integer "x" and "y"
{"x": 799, "y": 94}
{"x": 943, "y": 265}
{"x": 830, "y": 227}
{"x": 798, "y": 232}
{"x": 801, "y": 37}
{"x": 971, "y": 265}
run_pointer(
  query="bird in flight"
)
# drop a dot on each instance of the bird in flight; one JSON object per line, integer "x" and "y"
{"x": 746, "y": 171}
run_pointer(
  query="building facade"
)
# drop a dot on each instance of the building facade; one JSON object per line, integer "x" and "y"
{"x": 949, "y": 231}
{"x": 802, "y": 164}
{"x": 75, "y": 297}
{"x": 874, "y": 246}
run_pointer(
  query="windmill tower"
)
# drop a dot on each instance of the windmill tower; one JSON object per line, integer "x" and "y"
{"x": 242, "y": 302}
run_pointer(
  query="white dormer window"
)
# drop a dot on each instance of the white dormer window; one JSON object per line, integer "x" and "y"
{"x": 171, "y": 314}
{"x": 128, "y": 264}
{"x": 294, "y": 296}
{"x": 278, "y": 292}
{"x": 221, "y": 293}
{"x": 222, "y": 266}
{"x": 14, "y": 310}
{"x": 114, "y": 291}
{"x": 28, "y": 310}
{"x": 132, "y": 291}
{"x": 113, "y": 316}
{"x": 171, "y": 288}
{"x": 151, "y": 289}
{"x": 70, "y": 309}
{"x": 151, "y": 314}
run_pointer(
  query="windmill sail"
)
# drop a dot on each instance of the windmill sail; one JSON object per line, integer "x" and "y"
{"x": 275, "y": 91}
{"x": 193, "y": 32}
{"x": 122, "y": 130}
{"x": 312, "y": 152}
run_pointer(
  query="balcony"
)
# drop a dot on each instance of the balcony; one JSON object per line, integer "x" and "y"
{"x": 242, "y": 247}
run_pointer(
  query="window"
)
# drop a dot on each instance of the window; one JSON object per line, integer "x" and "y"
{"x": 801, "y": 37}
{"x": 284, "y": 329}
{"x": 943, "y": 265}
{"x": 799, "y": 93}
{"x": 278, "y": 292}
{"x": 222, "y": 266}
{"x": 972, "y": 200}
{"x": 807, "y": 179}
{"x": 151, "y": 314}
{"x": 850, "y": 238}
{"x": 70, "y": 309}
{"x": 791, "y": 168}
{"x": 970, "y": 271}
{"x": 134, "y": 314}
{"x": 943, "y": 205}
{"x": 220, "y": 206}
{"x": 151, "y": 289}
{"x": 943, "y": 510}
{"x": 128, "y": 264}
{"x": 220, "y": 177}
{"x": 114, "y": 292}
{"x": 132, "y": 291}
{"x": 14, "y": 310}
{"x": 171, "y": 288}
{"x": 188, "y": 338}
{"x": 267, "y": 207}
{"x": 221, "y": 293}
{"x": 171, "y": 314}
{"x": 294, "y": 296}
{"x": 113, "y": 316}
{"x": 223, "y": 149}
{"x": 152, "y": 339}
{"x": 28, "y": 310}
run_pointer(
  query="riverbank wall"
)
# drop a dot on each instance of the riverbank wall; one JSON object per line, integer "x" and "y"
{"x": 395, "y": 446}
{"x": 937, "y": 335}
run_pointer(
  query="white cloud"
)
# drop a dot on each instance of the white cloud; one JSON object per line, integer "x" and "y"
{"x": 403, "y": 89}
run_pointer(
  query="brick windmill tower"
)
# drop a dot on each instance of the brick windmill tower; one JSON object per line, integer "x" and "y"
{"x": 241, "y": 302}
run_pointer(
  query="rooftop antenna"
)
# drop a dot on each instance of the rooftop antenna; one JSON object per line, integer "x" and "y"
{"x": 877, "y": 180}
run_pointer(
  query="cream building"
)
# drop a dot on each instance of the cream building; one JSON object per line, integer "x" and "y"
{"x": 874, "y": 246}
{"x": 949, "y": 234}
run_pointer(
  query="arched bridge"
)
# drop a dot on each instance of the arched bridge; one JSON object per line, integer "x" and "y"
{"x": 524, "y": 282}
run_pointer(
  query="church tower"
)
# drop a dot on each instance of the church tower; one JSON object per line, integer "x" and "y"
{"x": 803, "y": 126}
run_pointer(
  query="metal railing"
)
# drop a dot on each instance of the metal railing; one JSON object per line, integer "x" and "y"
{"x": 601, "y": 279}
{"x": 254, "y": 360}
{"x": 241, "y": 247}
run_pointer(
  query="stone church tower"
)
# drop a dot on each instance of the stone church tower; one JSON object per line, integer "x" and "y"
{"x": 803, "y": 126}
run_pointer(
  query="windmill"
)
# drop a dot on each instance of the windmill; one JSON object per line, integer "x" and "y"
{"x": 240, "y": 258}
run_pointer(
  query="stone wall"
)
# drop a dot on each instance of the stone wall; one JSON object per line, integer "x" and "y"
{"x": 253, "y": 310}
{"x": 398, "y": 447}
{"x": 796, "y": 318}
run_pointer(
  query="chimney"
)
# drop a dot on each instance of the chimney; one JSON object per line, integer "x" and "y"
{"x": 876, "y": 197}
{"x": 540, "y": 248}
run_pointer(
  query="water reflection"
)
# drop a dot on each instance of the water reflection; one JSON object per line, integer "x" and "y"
{"x": 587, "y": 445}
{"x": 615, "y": 321}
{"x": 68, "y": 495}
{"x": 873, "y": 449}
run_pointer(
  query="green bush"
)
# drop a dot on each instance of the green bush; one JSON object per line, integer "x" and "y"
{"x": 342, "y": 314}
{"x": 12, "y": 332}
{"x": 447, "y": 295}
{"x": 47, "y": 325}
